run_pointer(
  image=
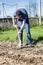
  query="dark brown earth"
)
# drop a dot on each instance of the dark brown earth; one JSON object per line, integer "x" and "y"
{"x": 11, "y": 55}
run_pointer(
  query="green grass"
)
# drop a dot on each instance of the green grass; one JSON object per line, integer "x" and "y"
{"x": 11, "y": 34}
{"x": 37, "y": 33}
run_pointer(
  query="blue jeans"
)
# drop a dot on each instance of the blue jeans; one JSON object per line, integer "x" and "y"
{"x": 27, "y": 27}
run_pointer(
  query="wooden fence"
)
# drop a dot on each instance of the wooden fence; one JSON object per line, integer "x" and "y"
{"x": 7, "y": 22}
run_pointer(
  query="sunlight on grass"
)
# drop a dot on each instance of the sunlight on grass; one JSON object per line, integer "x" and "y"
{"x": 11, "y": 35}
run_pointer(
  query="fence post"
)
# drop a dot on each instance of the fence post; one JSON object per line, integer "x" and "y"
{"x": 39, "y": 11}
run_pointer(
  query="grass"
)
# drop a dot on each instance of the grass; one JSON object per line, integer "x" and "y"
{"x": 11, "y": 34}
{"x": 37, "y": 33}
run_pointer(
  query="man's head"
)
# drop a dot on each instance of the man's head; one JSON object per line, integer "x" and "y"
{"x": 19, "y": 14}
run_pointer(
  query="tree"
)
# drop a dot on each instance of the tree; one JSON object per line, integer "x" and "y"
{"x": 34, "y": 7}
{"x": 0, "y": 12}
{"x": 28, "y": 7}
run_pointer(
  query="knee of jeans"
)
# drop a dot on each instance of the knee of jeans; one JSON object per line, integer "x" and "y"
{"x": 19, "y": 23}
{"x": 28, "y": 35}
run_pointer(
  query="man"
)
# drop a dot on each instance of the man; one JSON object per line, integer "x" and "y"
{"x": 22, "y": 21}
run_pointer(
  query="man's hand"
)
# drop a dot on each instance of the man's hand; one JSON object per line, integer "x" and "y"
{"x": 16, "y": 26}
{"x": 19, "y": 33}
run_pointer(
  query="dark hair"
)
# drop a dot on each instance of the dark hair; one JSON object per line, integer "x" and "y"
{"x": 18, "y": 13}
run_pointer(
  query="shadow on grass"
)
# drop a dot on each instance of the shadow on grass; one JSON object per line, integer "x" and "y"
{"x": 6, "y": 29}
{"x": 38, "y": 40}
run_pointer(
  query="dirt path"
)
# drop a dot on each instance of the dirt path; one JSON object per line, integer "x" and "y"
{"x": 10, "y": 55}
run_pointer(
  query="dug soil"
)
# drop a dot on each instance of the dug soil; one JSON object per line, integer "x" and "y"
{"x": 11, "y": 55}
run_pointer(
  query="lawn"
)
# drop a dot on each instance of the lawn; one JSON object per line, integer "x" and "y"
{"x": 11, "y": 34}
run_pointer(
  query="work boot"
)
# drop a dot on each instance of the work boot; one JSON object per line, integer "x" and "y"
{"x": 29, "y": 44}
